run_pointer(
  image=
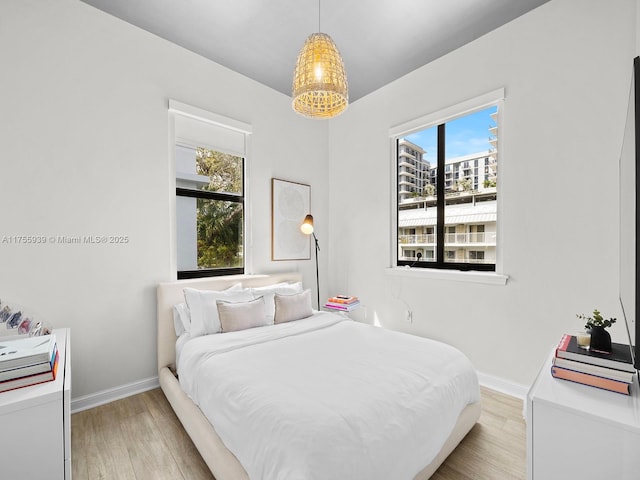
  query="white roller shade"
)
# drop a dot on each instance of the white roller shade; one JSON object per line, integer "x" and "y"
{"x": 198, "y": 128}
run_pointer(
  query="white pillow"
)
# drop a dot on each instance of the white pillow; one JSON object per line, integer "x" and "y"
{"x": 269, "y": 291}
{"x": 292, "y": 307}
{"x": 242, "y": 315}
{"x": 181, "y": 319}
{"x": 203, "y": 308}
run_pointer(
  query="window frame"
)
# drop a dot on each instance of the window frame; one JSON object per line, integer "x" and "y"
{"x": 435, "y": 119}
{"x": 195, "y": 113}
{"x": 220, "y": 197}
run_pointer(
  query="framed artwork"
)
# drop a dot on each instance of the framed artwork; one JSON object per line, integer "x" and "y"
{"x": 290, "y": 203}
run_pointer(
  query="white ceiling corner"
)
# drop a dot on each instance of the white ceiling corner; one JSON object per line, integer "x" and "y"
{"x": 379, "y": 40}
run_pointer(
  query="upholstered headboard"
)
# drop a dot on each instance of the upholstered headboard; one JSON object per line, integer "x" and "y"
{"x": 170, "y": 294}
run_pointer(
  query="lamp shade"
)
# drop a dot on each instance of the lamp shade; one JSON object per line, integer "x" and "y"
{"x": 320, "y": 88}
{"x": 307, "y": 225}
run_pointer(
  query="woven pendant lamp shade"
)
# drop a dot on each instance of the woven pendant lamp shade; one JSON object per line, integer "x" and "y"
{"x": 320, "y": 87}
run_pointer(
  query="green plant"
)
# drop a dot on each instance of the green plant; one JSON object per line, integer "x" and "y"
{"x": 464, "y": 185}
{"x": 597, "y": 320}
{"x": 429, "y": 190}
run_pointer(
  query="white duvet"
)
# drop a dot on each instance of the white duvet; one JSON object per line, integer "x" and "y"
{"x": 327, "y": 398}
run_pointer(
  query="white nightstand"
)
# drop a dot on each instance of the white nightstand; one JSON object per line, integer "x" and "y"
{"x": 333, "y": 310}
{"x": 35, "y": 439}
{"x": 358, "y": 314}
{"x": 582, "y": 432}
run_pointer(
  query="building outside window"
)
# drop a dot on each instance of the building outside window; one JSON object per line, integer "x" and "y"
{"x": 476, "y": 256}
{"x": 447, "y": 189}
{"x": 476, "y": 233}
{"x": 210, "y": 194}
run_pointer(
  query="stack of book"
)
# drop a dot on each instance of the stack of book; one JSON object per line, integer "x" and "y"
{"x": 27, "y": 361}
{"x": 610, "y": 371}
{"x": 344, "y": 303}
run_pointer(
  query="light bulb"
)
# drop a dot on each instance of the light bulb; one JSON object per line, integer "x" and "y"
{"x": 307, "y": 225}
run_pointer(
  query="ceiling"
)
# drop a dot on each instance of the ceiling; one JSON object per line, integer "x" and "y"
{"x": 380, "y": 40}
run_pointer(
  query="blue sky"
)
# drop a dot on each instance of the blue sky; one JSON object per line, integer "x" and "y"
{"x": 464, "y": 135}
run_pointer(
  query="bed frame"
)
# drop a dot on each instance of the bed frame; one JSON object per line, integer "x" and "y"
{"x": 222, "y": 463}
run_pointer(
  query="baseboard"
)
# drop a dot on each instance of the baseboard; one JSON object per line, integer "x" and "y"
{"x": 107, "y": 396}
{"x": 503, "y": 386}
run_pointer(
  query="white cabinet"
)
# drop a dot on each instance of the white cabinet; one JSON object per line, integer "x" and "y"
{"x": 582, "y": 432}
{"x": 35, "y": 425}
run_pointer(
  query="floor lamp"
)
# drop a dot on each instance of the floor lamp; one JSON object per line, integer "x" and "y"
{"x": 307, "y": 229}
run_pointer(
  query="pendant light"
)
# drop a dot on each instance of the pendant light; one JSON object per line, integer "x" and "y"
{"x": 320, "y": 87}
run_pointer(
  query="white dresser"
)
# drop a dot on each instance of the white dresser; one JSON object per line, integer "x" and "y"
{"x": 582, "y": 432}
{"x": 35, "y": 425}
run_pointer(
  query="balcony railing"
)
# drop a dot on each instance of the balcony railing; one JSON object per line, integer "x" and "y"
{"x": 422, "y": 238}
{"x": 449, "y": 238}
{"x": 475, "y": 237}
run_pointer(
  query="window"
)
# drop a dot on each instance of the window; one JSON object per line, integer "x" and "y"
{"x": 447, "y": 183}
{"x": 210, "y": 193}
{"x": 476, "y": 234}
{"x": 476, "y": 256}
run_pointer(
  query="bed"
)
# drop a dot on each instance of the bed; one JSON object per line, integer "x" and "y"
{"x": 230, "y": 402}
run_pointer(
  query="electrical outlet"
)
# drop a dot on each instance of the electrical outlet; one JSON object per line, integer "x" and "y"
{"x": 409, "y": 316}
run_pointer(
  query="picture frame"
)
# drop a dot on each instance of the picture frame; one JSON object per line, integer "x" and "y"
{"x": 290, "y": 203}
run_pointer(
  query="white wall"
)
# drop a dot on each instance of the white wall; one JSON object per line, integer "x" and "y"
{"x": 84, "y": 150}
{"x": 566, "y": 70}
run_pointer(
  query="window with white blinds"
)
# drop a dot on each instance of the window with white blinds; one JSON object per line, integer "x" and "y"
{"x": 210, "y": 159}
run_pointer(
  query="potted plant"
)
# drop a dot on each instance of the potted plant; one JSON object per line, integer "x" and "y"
{"x": 596, "y": 324}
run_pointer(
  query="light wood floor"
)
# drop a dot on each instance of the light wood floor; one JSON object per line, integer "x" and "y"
{"x": 140, "y": 437}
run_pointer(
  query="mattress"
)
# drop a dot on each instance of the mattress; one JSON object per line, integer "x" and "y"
{"x": 326, "y": 397}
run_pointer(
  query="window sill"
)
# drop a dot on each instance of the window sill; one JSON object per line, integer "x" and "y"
{"x": 486, "y": 278}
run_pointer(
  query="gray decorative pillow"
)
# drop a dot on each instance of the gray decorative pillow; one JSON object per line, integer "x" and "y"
{"x": 292, "y": 307}
{"x": 269, "y": 291}
{"x": 242, "y": 315}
